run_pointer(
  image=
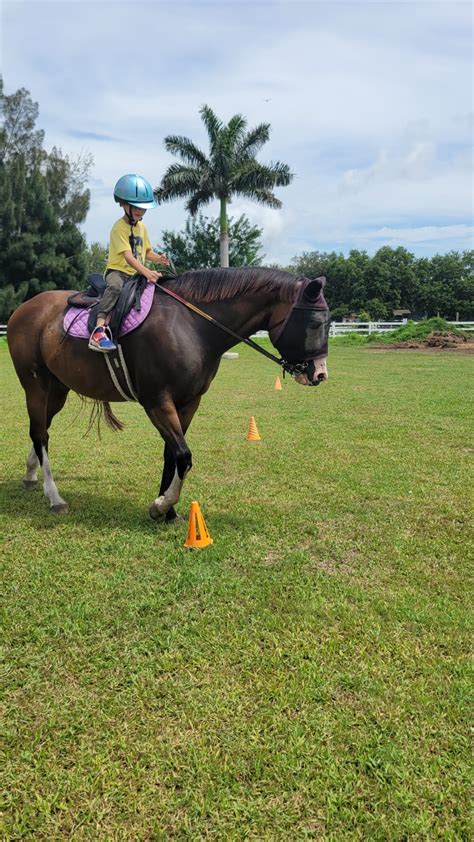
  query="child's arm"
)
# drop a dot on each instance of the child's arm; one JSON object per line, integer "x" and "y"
{"x": 132, "y": 261}
{"x": 157, "y": 258}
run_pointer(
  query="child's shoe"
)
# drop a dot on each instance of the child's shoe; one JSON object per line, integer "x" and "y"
{"x": 100, "y": 340}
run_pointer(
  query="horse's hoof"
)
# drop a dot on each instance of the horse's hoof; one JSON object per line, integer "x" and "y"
{"x": 173, "y": 521}
{"x": 60, "y": 509}
{"x": 30, "y": 484}
{"x": 155, "y": 514}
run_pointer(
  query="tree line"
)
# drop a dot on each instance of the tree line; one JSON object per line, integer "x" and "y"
{"x": 394, "y": 279}
{"x": 44, "y": 200}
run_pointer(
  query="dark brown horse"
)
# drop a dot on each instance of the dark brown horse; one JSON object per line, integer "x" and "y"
{"x": 171, "y": 358}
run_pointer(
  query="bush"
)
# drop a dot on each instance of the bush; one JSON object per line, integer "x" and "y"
{"x": 417, "y": 331}
{"x": 351, "y": 338}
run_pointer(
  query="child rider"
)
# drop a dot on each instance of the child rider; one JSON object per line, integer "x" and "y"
{"x": 129, "y": 247}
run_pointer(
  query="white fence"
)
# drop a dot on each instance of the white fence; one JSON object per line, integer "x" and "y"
{"x": 340, "y": 328}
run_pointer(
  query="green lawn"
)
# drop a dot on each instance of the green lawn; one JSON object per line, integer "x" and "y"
{"x": 306, "y": 677}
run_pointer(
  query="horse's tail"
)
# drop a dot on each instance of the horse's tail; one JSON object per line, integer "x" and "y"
{"x": 110, "y": 419}
{"x": 101, "y": 410}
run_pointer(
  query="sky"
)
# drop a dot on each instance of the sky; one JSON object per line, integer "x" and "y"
{"x": 370, "y": 104}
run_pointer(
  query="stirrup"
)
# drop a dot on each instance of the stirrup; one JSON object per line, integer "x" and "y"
{"x": 103, "y": 342}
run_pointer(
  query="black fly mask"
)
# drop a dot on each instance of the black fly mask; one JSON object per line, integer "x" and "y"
{"x": 304, "y": 333}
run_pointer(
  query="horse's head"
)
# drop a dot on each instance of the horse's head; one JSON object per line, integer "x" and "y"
{"x": 301, "y": 336}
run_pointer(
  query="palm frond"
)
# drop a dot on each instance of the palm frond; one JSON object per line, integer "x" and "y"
{"x": 235, "y": 131}
{"x": 252, "y": 175}
{"x": 198, "y": 200}
{"x": 265, "y": 197}
{"x": 212, "y": 123}
{"x": 280, "y": 172}
{"x": 178, "y": 181}
{"x": 186, "y": 149}
{"x": 254, "y": 140}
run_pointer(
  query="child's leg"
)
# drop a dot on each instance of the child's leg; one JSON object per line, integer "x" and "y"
{"x": 114, "y": 282}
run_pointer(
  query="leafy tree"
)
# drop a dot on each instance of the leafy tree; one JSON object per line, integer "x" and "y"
{"x": 378, "y": 279}
{"x": 197, "y": 247}
{"x": 464, "y": 285}
{"x": 443, "y": 286}
{"x": 96, "y": 258}
{"x": 66, "y": 178}
{"x": 393, "y": 278}
{"x": 18, "y": 137}
{"x": 230, "y": 169}
{"x": 341, "y": 312}
{"x": 353, "y": 283}
{"x": 451, "y": 287}
{"x": 376, "y": 310}
{"x": 43, "y": 202}
{"x": 311, "y": 264}
{"x": 346, "y": 285}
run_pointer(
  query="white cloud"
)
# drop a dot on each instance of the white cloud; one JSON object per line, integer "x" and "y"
{"x": 369, "y": 104}
{"x": 424, "y": 234}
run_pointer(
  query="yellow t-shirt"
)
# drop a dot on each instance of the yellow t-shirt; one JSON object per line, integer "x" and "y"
{"x": 120, "y": 242}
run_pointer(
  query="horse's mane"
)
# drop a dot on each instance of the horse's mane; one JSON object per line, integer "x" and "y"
{"x": 220, "y": 284}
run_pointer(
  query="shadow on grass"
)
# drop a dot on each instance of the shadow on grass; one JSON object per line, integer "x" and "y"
{"x": 100, "y": 513}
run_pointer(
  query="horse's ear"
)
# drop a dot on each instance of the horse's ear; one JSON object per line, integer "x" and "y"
{"x": 313, "y": 289}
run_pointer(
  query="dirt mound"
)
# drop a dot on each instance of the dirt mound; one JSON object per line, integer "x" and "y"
{"x": 435, "y": 340}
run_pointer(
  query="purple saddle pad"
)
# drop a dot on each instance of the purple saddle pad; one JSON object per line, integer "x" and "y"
{"x": 75, "y": 319}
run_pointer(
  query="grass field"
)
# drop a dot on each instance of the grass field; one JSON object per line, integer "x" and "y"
{"x": 306, "y": 677}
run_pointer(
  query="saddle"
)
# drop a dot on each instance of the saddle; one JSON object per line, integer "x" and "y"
{"x": 88, "y": 297}
{"x": 129, "y": 299}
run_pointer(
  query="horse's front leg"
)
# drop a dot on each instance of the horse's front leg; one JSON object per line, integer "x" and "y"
{"x": 169, "y": 472}
{"x": 178, "y": 460}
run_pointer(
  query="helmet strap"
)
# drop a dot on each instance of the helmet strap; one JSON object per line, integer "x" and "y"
{"x": 127, "y": 211}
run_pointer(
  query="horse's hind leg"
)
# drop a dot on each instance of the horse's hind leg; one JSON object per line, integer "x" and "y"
{"x": 30, "y": 480}
{"x": 44, "y": 400}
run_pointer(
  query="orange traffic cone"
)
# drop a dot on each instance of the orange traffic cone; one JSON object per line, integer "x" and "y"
{"x": 278, "y": 385}
{"x": 253, "y": 434}
{"x": 198, "y": 535}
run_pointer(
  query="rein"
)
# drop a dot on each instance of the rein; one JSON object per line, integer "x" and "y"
{"x": 291, "y": 368}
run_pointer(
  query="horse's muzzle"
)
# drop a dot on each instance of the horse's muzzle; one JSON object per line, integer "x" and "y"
{"x": 315, "y": 372}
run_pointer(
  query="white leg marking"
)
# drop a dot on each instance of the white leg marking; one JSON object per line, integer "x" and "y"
{"x": 171, "y": 495}
{"x": 49, "y": 485}
{"x": 31, "y": 467}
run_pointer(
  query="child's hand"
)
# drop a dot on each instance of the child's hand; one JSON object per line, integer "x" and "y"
{"x": 153, "y": 276}
{"x": 163, "y": 260}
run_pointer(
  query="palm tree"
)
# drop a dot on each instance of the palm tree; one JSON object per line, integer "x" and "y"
{"x": 230, "y": 169}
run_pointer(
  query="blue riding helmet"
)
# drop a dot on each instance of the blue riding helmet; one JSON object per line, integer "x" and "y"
{"x": 135, "y": 190}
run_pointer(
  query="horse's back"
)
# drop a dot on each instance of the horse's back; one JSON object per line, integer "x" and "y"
{"x": 40, "y": 309}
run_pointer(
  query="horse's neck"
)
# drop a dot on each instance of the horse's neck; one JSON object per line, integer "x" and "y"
{"x": 243, "y": 315}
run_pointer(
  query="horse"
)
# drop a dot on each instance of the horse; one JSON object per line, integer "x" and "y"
{"x": 172, "y": 358}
